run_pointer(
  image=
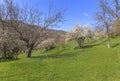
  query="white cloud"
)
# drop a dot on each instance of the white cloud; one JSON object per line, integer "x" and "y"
{"x": 85, "y": 14}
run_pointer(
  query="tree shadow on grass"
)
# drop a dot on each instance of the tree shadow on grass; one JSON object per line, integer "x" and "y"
{"x": 115, "y": 45}
{"x": 64, "y": 55}
{"x": 86, "y": 46}
{"x": 13, "y": 75}
{"x": 103, "y": 41}
{"x": 8, "y": 60}
{"x": 93, "y": 41}
{"x": 57, "y": 51}
{"x": 92, "y": 44}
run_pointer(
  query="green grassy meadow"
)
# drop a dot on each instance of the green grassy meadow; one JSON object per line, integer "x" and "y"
{"x": 95, "y": 62}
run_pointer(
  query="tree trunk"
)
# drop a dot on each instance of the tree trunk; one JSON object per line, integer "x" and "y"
{"x": 82, "y": 40}
{"x": 108, "y": 37}
{"x": 4, "y": 55}
{"x": 28, "y": 52}
{"x": 79, "y": 42}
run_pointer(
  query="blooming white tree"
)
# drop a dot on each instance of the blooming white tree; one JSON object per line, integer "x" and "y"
{"x": 78, "y": 34}
{"x": 99, "y": 33}
{"x": 88, "y": 32}
{"x": 47, "y": 44}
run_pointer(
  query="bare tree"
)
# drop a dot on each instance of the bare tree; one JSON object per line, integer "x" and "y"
{"x": 33, "y": 26}
{"x": 109, "y": 16}
{"x": 116, "y": 16}
{"x": 104, "y": 18}
{"x": 9, "y": 44}
{"x": 29, "y": 25}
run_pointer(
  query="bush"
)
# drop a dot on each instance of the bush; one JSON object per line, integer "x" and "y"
{"x": 47, "y": 44}
{"x": 99, "y": 33}
{"x": 10, "y": 45}
{"x": 11, "y": 49}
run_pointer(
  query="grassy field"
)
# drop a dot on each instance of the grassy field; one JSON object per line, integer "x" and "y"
{"x": 93, "y": 63}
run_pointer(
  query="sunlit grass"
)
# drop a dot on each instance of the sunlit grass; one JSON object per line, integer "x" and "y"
{"x": 92, "y": 63}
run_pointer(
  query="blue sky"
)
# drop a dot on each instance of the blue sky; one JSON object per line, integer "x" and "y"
{"x": 77, "y": 11}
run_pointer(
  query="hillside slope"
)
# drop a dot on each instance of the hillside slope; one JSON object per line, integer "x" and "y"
{"x": 93, "y": 63}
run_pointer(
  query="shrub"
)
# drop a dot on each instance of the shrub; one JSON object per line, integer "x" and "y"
{"x": 47, "y": 44}
{"x": 11, "y": 49}
{"x": 99, "y": 33}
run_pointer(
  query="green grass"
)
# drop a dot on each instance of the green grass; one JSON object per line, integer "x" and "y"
{"x": 95, "y": 63}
